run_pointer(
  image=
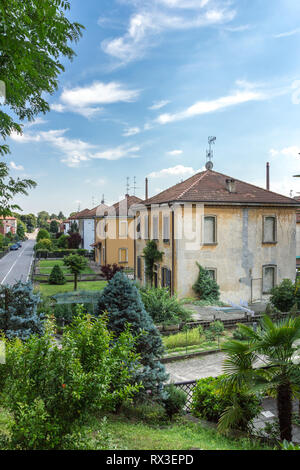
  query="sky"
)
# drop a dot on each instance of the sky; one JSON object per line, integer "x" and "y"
{"x": 152, "y": 80}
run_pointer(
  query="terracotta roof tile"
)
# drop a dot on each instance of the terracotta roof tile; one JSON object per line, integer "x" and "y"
{"x": 122, "y": 207}
{"x": 210, "y": 186}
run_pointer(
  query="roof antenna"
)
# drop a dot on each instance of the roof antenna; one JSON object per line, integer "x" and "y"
{"x": 127, "y": 185}
{"x": 209, "y": 153}
{"x": 102, "y": 200}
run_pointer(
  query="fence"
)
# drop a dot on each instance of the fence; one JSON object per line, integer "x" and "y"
{"x": 188, "y": 388}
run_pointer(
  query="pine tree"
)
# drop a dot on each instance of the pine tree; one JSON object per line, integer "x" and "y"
{"x": 18, "y": 311}
{"x": 57, "y": 276}
{"x": 122, "y": 301}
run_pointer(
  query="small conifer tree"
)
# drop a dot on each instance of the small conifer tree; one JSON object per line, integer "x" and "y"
{"x": 57, "y": 276}
{"x": 18, "y": 311}
{"x": 122, "y": 301}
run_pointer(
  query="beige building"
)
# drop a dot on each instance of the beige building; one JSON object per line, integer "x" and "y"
{"x": 244, "y": 235}
{"x": 298, "y": 237}
{"x": 114, "y": 233}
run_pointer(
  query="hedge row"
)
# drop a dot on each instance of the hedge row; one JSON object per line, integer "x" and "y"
{"x": 60, "y": 253}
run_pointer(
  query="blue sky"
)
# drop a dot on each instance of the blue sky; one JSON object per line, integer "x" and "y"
{"x": 151, "y": 81}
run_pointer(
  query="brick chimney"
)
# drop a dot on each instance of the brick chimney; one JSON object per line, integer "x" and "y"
{"x": 231, "y": 185}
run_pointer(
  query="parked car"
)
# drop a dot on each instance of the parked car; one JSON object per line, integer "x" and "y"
{"x": 19, "y": 244}
{"x": 14, "y": 247}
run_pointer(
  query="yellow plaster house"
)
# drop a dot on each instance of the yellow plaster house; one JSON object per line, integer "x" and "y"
{"x": 114, "y": 233}
{"x": 244, "y": 235}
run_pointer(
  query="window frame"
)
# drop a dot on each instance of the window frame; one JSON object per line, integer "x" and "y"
{"x": 215, "y": 217}
{"x": 275, "y": 228}
{"x": 126, "y": 257}
{"x": 123, "y": 222}
{"x": 165, "y": 239}
{"x": 265, "y": 266}
{"x": 214, "y": 270}
{"x": 156, "y": 217}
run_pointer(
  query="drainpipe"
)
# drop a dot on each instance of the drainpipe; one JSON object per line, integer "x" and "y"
{"x": 268, "y": 176}
{"x": 173, "y": 255}
{"x": 146, "y": 188}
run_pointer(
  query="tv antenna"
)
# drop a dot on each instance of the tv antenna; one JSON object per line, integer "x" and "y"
{"x": 135, "y": 187}
{"x": 209, "y": 153}
{"x": 127, "y": 185}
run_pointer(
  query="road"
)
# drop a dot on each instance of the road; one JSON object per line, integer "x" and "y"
{"x": 209, "y": 365}
{"x": 15, "y": 266}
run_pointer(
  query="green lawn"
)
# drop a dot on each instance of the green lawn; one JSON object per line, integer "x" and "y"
{"x": 49, "y": 290}
{"x": 47, "y": 265}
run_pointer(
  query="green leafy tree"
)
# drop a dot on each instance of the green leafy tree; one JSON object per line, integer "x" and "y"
{"x": 21, "y": 229}
{"x": 62, "y": 242}
{"x": 151, "y": 255}
{"x": 285, "y": 296}
{"x": 18, "y": 311}
{"x": 205, "y": 287}
{"x": 122, "y": 301}
{"x": 61, "y": 216}
{"x": 57, "y": 276}
{"x": 76, "y": 264}
{"x": 54, "y": 226}
{"x": 43, "y": 244}
{"x": 43, "y": 233}
{"x": 274, "y": 346}
{"x": 10, "y": 187}
{"x": 30, "y": 221}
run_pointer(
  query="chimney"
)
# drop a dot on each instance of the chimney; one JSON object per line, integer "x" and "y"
{"x": 146, "y": 188}
{"x": 230, "y": 185}
{"x": 268, "y": 176}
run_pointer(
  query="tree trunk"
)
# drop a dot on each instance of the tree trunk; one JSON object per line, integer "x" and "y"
{"x": 284, "y": 407}
{"x": 75, "y": 281}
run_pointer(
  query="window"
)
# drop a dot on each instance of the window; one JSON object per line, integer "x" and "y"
{"x": 139, "y": 267}
{"x": 138, "y": 228}
{"x": 123, "y": 255}
{"x": 146, "y": 227}
{"x": 269, "y": 278}
{"x": 166, "y": 229}
{"x": 212, "y": 272}
{"x": 210, "y": 232}
{"x": 269, "y": 229}
{"x": 123, "y": 229}
{"x": 155, "y": 227}
{"x": 165, "y": 277}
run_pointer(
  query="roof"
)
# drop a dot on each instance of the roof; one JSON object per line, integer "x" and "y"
{"x": 7, "y": 218}
{"x": 79, "y": 215}
{"x": 122, "y": 207}
{"x": 210, "y": 187}
{"x": 98, "y": 210}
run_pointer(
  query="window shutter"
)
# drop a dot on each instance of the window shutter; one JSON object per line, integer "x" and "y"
{"x": 209, "y": 230}
{"x": 166, "y": 228}
{"x": 155, "y": 227}
{"x": 269, "y": 229}
{"x": 146, "y": 227}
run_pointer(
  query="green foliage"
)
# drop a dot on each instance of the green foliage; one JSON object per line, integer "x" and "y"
{"x": 76, "y": 264}
{"x": 10, "y": 187}
{"x": 54, "y": 226}
{"x": 151, "y": 255}
{"x": 285, "y": 445}
{"x": 88, "y": 372}
{"x": 162, "y": 307}
{"x": 175, "y": 401}
{"x": 21, "y": 229}
{"x": 57, "y": 276}
{"x": 210, "y": 401}
{"x": 43, "y": 244}
{"x": 205, "y": 287}
{"x": 217, "y": 327}
{"x": 19, "y": 315}
{"x": 122, "y": 300}
{"x": 42, "y": 235}
{"x": 239, "y": 335}
{"x": 284, "y": 296}
{"x": 62, "y": 242}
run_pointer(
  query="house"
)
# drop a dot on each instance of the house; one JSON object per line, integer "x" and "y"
{"x": 8, "y": 225}
{"x": 114, "y": 233}
{"x": 245, "y": 236}
{"x": 86, "y": 225}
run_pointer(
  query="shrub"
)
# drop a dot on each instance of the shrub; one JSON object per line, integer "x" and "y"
{"x": 74, "y": 240}
{"x": 89, "y": 371}
{"x": 217, "y": 327}
{"x": 210, "y": 402}
{"x": 285, "y": 296}
{"x": 175, "y": 401}
{"x": 162, "y": 307}
{"x": 151, "y": 255}
{"x": 43, "y": 244}
{"x": 43, "y": 233}
{"x": 239, "y": 335}
{"x": 19, "y": 315}
{"x": 109, "y": 270}
{"x": 62, "y": 241}
{"x": 122, "y": 301}
{"x": 205, "y": 287}
{"x": 57, "y": 276}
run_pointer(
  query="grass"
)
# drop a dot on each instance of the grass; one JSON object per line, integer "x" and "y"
{"x": 46, "y": 267}
{"x": 181, "y": 340}
{"x": 49, "y": 290}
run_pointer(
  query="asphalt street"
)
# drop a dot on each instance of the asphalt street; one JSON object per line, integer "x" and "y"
{"x": 15, "y": 266}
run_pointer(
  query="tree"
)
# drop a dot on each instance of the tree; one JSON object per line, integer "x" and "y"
{"x": 76, "y": 264}
{"x": 10, "y": 187}
{"x": 43, "y": 233}
{"x": 61, "y": 216}
{"x": 285, "y": 296}
{"x": 121, "y": 300}
{"x": 21, "y": 229}
{"x": 109, "y": 270}
{"x": 43, "y": 244}
{"x": 54, "y": 226}
{"x": 18, "y": 311}
{"x": 62, "y": 242}
{"x": 274, "y": 346}
{"x": 151, "y": 255}
{"x": 74, "y": 240}
{"x": 57, "y": 276}
{"x": 205, "y": 287}
{"x": 30, "y": 222}
{"x": 73, "y": 228}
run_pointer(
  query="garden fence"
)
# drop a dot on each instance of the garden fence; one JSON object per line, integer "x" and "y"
{"x": 188, "y": 388}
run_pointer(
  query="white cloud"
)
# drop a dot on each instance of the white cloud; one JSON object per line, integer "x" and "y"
{"x": 175, "y": 153}
{"x": 159, "y": 104}
{"x": 287, "y": 33}
{"x": 37, "y": 122}
{"x": 85, "y": 100}
{"x": 75, "y": 151}
{"x": 131, "y": 131}
{"x": 153, "y": 18}
{"x": 178, "y": 170}
{"x": 16, "y": 167}
{"x": 204, "y": 107}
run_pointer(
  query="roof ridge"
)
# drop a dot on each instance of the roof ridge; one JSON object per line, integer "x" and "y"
{"x": 202, "y": 174}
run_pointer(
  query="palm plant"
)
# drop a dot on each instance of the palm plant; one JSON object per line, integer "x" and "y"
{"x": 266, "y": 362}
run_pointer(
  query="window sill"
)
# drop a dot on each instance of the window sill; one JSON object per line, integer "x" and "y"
{"x": 269, "y": 243}
{"x": 166, "y": 241}
{"x": 210, "y": 244}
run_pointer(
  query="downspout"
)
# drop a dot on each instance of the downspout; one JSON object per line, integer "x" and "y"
{"x": 134, "y": 248}
{"x": 173, "y": 255}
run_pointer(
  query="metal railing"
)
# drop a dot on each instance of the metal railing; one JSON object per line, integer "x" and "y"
{"x": 188, "y": 389}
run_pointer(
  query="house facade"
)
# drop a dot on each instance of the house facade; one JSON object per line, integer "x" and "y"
{"x": 8, "y": 225}
{"x": 114, "y": 233}
{"x": 243, "y": 235}
{"x": 298, "y": 237}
